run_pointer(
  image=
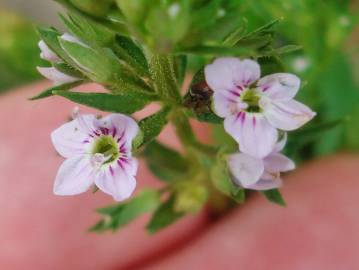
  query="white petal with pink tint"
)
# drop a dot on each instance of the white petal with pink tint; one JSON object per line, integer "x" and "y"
{"x": 279, "y": 86}
{"x": 277, "y": 162}
{"x": 245, "y": 169}
{"x": 118, "y": 184}
{"x": 227, "y": 73}
{"x": 69, "y": 139}
{"x": 57, "y": 77}
{"x": 47, "y": 53}
{"x": 264, "y": 184}
{"x": 286, "y": 115}
{"x": 74, "y": 176}
{"x": 252, "y": 131}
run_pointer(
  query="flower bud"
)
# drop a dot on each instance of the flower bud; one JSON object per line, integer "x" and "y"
{"x": 93, "y": 7}
{"x": 190, "y": 198}
{"x": 134, "y": 10}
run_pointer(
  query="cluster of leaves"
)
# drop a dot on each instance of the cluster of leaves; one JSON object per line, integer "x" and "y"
{"x": 139, "y": 50}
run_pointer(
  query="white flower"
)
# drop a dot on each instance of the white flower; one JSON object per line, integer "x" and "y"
{"x": 260, "y": 174}
{"x": 97, "y": 151}
{"x": 51, "y": 73}
{"x": 254, "y": 113}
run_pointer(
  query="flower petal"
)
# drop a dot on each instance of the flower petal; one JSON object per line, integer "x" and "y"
{"x": 123, "y": 124}
{"x": 74, "y": 176}
{"x": 286, "y": 115}
{"x": 267, "y": 184}
{"x": 252, "y": 131}
{"x": 245, "y": 169}
{"x": 279, "y": 146}
{"x": 277, "y": 162}
{"x": 71, "y": 139}
{"x": 56, "y": 76}
{"x": 227, "y": 73}
{"x": 226, "y": 104}
{"x": 279, "y": 86}
{"x": 47, "y": 53}
{"x": 116, "y": 182}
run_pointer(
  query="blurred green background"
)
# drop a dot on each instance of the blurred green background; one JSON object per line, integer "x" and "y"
{"x": 328, "y": 64}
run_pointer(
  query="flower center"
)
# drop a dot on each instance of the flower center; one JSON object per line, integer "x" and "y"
{"x": 107, "y": 146}
{"x": 251, "y": 98}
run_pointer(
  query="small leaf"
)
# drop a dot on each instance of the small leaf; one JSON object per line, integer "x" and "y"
{"x": 274, "y": 196}
{"x": 121, "y": 103}
{"x": 166, "y": 163}
{"x": 152, "y": 125}
{"x": 126, "y": 49}
{"x": 164, "y": 216}
{"x": 120, "y": 215}
{"x": 288, "y": 49}
{"x": 63, "y": 87}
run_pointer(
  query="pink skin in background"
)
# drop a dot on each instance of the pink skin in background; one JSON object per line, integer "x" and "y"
{"x": 38, "y": 230}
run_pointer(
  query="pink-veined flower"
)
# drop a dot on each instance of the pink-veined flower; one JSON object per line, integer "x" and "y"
{"x": 254, "y": 111}
{"x": 52, "y": 73}
{"x": 97, "y": 151}
{"x": 260, "y": 173}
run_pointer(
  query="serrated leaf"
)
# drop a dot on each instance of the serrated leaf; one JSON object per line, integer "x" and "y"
{"x": 117, "y": 216}
{"x": 126, "y": 49}
{"x": 152, "y": 125}
{"x": 121, "y": 103}
{"x": 164, "y": 216}
{"x": 274, "y": 196}
{"x": 166, "y": 163}
{"x": 63, "y": 87}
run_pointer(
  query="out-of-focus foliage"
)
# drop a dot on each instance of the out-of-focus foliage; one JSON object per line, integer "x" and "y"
{"x": 326, "y": 66}
{"x": 19, "y": 54}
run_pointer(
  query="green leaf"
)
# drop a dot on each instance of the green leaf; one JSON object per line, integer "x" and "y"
{"x": 126, "y": 49}
{"x": 166, "y": 163}
{"x": 164, "y": 216}
{"x": 117, "y": 216}
{"x": 274, "y": 196}
{"x": 63, "y": 87}
{"x": 152, "y": 125}
{"x": 288, "y": 49}
{"x": 121, "y": 103}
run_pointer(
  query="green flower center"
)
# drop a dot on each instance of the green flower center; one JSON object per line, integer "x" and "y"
{"x": 252, "y": 99}
{"x": 107, "y": 146}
